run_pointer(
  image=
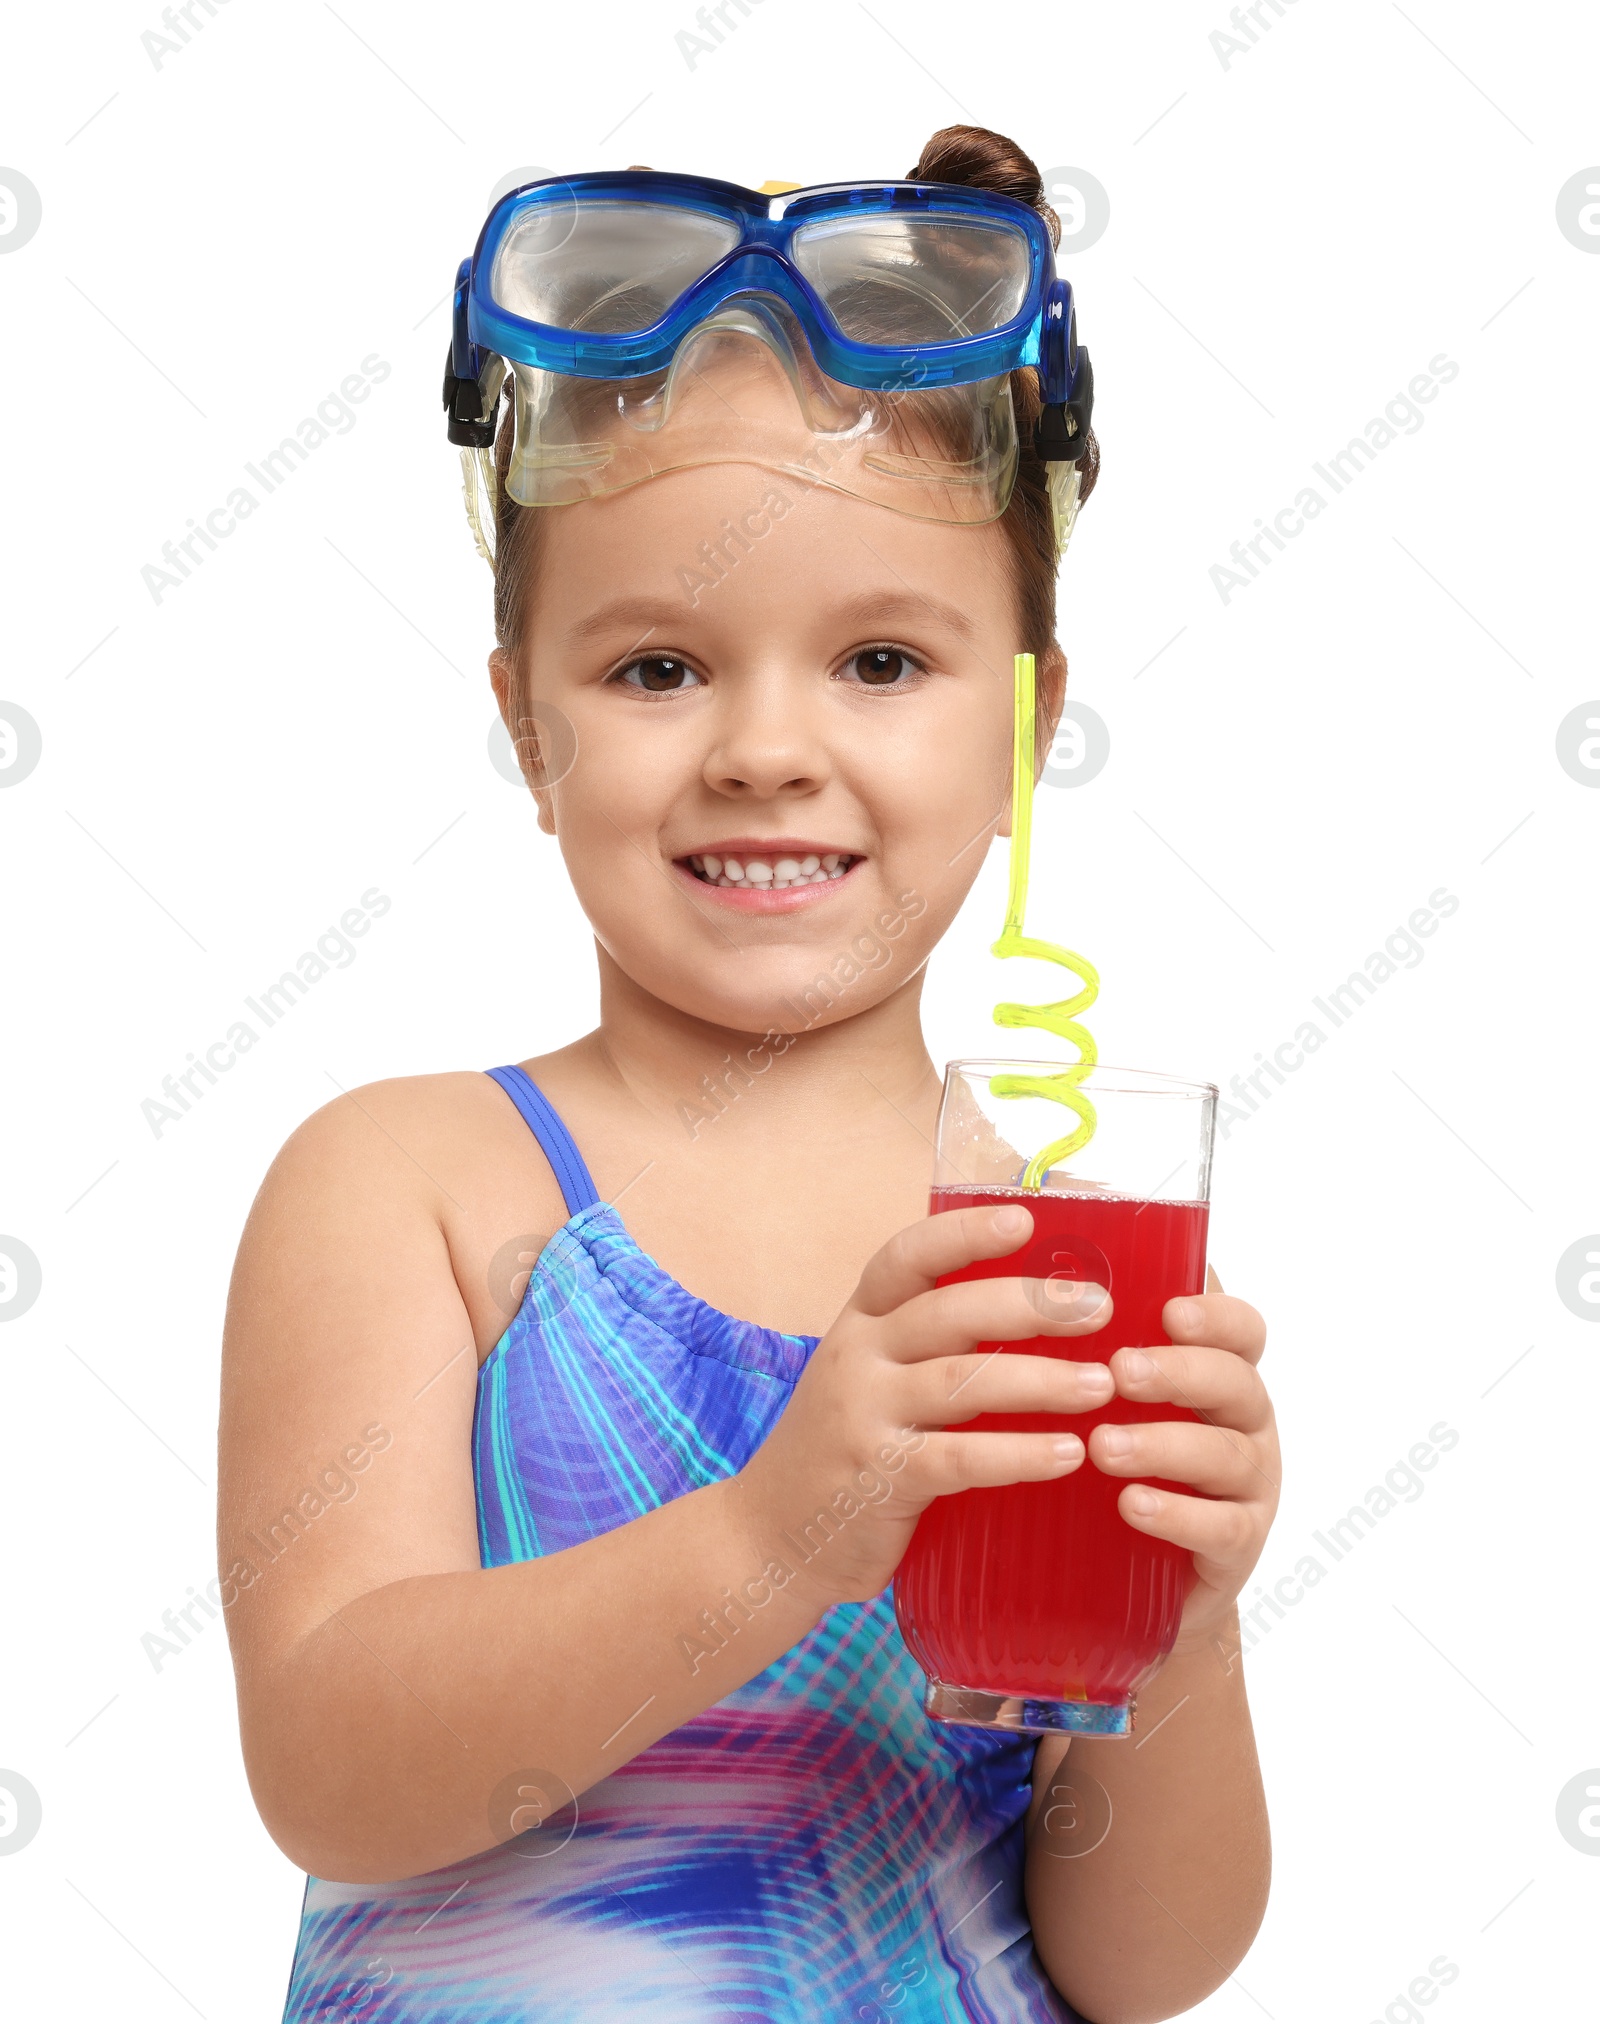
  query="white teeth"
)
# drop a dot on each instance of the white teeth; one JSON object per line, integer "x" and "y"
{"x": 756, "y": 875}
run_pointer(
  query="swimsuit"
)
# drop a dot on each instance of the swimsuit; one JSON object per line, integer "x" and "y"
{"x": 811, "y": 1849}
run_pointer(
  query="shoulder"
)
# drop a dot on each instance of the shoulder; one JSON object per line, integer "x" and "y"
{"x": 415, "y": 1130}
{"x": 418, "y": 1167}
{"x": 446, "y": 1148}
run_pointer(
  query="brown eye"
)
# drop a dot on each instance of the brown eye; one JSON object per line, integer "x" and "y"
{"x": 880, "y": 667}
{"x": 660, "y": 674}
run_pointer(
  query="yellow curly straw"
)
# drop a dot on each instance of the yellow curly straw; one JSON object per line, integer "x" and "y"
{"x": 1060, "y": 1019}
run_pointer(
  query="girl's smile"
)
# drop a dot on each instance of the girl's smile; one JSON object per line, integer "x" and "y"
{"x": 764, "y": 875}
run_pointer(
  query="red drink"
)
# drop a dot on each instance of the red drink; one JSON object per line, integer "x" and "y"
{"x": 1043, "y": 1590}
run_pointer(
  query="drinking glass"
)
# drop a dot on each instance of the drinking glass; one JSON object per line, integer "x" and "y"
{"x": 1036, "y": 1606}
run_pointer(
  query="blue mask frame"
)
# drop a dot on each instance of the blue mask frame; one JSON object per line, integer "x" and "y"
{"x": 1042, "y": 334}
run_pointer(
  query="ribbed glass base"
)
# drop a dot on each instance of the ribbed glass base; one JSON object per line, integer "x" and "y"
{"x": 1026, "y": 1715}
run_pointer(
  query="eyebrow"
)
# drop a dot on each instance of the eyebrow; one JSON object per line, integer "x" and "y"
{"x": 626, "y": 614}
{"x": 903, "y": 604}
{"x": 646, "y": 615}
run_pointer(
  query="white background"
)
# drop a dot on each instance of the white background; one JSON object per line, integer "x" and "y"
{"x": 1294, "y": 233}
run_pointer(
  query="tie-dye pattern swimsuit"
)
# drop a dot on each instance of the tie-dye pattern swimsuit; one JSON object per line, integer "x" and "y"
{"x": 807, "y": 1851}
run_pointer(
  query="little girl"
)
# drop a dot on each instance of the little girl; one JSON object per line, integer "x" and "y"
{"x": 528, "y": 1373}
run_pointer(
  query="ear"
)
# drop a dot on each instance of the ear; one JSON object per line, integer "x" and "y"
{"x": 524, "y": 736}
{"x": 500, "y": 678}
{"x": 1049, "y": 693}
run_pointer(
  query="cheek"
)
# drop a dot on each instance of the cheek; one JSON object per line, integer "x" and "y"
{"x": 936, "y": 789}
{"x": 609, "y": 812}
{"x": 936, "y": 811}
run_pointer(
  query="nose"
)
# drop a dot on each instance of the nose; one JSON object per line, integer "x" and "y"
{"x": 768, "y": 742}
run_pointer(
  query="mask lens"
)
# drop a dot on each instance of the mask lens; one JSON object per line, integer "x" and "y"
{"x": 902, "y": 279}
{"x": 743, "y": 388}
{"x": 606, "y": 266}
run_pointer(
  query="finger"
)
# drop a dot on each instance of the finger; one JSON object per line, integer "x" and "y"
{"x": 951, "y": 1319}
{"x": 1212, "y": 1382}
{"x": 949, "y": 1389}
{"x": 952, "y": 1462}
{"x": 1213, "y": 1283}
{"x": 1223, "y": 1535}
{"x": 921, "y": 1253}
{"x": 1215, "y": 1461}
{"x": 1217, "y": 1319}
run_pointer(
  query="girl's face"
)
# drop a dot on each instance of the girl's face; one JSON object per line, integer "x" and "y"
{"x": 785, "y": 776}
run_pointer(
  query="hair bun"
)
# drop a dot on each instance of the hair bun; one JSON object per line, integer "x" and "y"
{"x": 985, "y": 160}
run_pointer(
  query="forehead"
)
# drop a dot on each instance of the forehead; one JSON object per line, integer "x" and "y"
{"x": 727, "y": 547}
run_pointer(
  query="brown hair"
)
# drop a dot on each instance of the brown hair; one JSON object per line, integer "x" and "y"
{"x": 957, "y": 154}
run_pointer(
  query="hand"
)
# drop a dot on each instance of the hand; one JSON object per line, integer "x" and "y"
{"x": 1232, "y": 1457}
{"x": 860, "y": 1450}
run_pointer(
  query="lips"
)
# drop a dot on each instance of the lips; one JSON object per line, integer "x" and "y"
{"x": 769, "y": 870}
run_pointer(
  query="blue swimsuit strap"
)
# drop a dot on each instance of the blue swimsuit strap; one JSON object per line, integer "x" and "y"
{"x": 564, "y": 1157}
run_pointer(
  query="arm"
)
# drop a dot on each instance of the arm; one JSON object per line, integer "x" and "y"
{"x": 389, "y": 1687}
{"x": 387, "y": 1684}
{"x": 1149, "y": 1857}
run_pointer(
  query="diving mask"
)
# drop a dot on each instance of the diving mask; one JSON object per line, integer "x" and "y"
{"x": 641, "y": 322}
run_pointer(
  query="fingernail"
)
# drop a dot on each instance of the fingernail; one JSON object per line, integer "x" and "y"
{"x": 1136, "y": 1366}
{"x": 1011, "y": 1222}
{"x": 1078, "y": 1299}
{"x": 1142, "y": 1500}
{"x": 1115, "y": 1442}
{"x": 1066, "y": 1447}
{"x": 1096, "y": 1378}
{"x": 1185, "y": 1313}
